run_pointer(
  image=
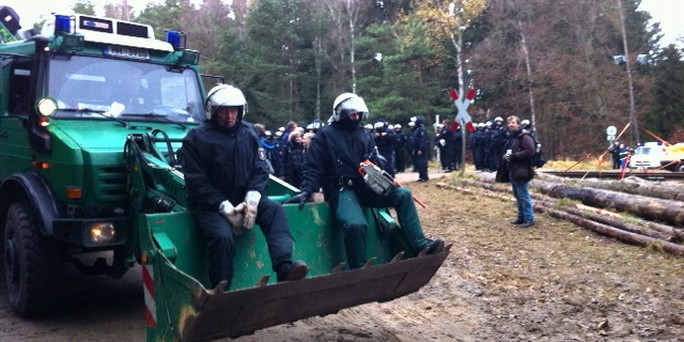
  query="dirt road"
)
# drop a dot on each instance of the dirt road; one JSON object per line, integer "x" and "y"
{"x": 551, "y": 282}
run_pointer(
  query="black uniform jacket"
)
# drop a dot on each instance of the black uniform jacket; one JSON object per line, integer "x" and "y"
{"x": 221, "y": 163}
{"x": 333, "y": 159}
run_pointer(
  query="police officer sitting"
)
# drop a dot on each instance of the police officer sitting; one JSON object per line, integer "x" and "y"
{"x": 332, "y": 162}
{"x": 225, "y": 177}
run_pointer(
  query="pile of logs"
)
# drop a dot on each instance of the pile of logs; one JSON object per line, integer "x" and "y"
{"x": 656, "y": 212}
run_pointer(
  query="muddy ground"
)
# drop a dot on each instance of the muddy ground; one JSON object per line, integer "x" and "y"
{"x": 551, "y": 282}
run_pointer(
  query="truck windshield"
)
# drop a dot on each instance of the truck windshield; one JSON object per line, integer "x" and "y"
{"x": 88, "y": 87}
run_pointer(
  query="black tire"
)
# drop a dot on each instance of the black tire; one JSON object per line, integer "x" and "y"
{"x": 679, "y": 167}
{"x": 31, "y": 264}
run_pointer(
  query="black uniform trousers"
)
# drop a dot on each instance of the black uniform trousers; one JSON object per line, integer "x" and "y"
{"x": 221, "y": 244}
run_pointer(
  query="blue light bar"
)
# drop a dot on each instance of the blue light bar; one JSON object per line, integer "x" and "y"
{"x": 62, "y": 24}
{"x": 174, "y": 38}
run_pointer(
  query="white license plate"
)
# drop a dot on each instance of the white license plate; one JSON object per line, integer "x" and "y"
{"x": 127, "y": 52}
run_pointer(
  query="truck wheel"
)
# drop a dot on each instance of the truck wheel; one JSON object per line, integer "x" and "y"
{"x": 31, "y": 263}
{"x": 679, "y": 167}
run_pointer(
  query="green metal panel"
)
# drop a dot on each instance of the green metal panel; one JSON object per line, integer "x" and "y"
{"x": 317, "y": 242}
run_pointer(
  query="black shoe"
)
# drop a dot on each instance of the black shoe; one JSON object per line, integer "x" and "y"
{"x": 518, "y": 221}
{"x": 527, "y": 224}
{"x": 433, "y": 247}
{"x": 294, "y": 271}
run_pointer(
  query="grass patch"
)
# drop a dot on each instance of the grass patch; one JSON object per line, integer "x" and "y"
{"x": 587, "y": 164}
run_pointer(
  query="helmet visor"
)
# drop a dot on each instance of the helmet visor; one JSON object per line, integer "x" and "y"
{"x": 352, "y": 105}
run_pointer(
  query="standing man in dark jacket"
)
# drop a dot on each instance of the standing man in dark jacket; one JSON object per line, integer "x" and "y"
{"x": 420, "y": 148}
{"x": 385, "y": 140}
{"x": 497, "y": 143}
{"x": 399, "y": 149}
{"x": 225, "y": 175}
{"x": 520, "y": 149}
{"x": 332, "y": 162}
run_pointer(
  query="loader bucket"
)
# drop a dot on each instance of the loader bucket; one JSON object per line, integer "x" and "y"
{"x": 181, "y": 307}
{"x": 242, "y": 312}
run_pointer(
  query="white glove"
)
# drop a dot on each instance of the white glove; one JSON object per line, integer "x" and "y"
{"x": 226, "y": 208}
{"x": 442, "y": 142}
{"x": 251, "y": 203}
{"x": 234, "y": 215}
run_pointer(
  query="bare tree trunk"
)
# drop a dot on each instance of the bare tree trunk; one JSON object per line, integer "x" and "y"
{"x": 628, "y": 68}
{"x": 318, "y": 76}
{"x": 351, "y": 9}
{"x": 528, "y": 65}
{"x": 458, "y": 45}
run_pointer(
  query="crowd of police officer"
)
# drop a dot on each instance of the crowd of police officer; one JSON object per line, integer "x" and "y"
{"x": 397, "y": 148}
{"x": 488, "y": 143}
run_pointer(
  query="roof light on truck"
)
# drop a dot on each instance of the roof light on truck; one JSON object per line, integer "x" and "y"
{"x": 63, "y": 23}
{"x": 174, "y": 38}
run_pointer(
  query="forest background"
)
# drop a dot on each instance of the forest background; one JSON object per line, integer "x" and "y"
{"x": 549, "y": 61}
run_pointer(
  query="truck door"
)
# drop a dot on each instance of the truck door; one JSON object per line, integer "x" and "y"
{"x": 14, "y": 150}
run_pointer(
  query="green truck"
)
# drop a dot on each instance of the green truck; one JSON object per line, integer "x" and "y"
{"x": 92, "y": 179}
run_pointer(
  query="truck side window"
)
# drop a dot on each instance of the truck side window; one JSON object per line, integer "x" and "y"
{"x": 19, "y": 89}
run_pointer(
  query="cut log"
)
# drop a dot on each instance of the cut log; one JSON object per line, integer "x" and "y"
{"x": 613, "y": 232}
{"x": 614, "y": 222}
{"x": 651, "y": 208}
{"x": 674, "y": 234}
{"x": 670, "y": 190}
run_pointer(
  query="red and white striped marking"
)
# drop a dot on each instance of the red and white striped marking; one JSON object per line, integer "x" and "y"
{"x": 148, "y": 288}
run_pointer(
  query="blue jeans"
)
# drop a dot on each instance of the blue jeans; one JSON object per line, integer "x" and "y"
{"x": 524, "y": 201}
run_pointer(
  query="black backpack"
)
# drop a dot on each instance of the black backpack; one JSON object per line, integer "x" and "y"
{"x": 538, "y": 158}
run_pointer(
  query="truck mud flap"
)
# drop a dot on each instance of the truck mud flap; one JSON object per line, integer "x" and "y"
{"x": 217, "y": 314}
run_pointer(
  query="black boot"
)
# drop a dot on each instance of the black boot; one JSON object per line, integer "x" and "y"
{"x": 433, "y": 247}
{"x": 292, "y": 271}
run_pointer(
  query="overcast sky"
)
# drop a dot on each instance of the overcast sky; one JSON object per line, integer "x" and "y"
{"x": 667, "y": 12}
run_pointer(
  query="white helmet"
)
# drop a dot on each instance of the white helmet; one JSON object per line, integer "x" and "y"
{"x": 498, "y": 118}
{"x": 368, "y": 127}
{"x": 224, "y": 95}
{"x": 525, "y": 122}
{"x": 346, "y": 104}
{"x": 397, "y": 126}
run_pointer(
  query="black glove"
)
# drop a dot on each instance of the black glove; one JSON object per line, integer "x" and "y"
{"x": 300, "y": 198}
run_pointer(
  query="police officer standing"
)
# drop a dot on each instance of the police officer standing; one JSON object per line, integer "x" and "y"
{"x": 420, "y": 148}
{"x": 225, "y": 174}
{"x": 399, "y": 149}
{"x": 332, "y": 162}
{"x": 385, "y": 141}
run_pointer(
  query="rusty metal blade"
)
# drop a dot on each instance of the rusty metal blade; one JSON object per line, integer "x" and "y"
{"x": 241, "y": 312}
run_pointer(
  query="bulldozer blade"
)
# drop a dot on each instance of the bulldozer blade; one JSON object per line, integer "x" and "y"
{"x": 220, "y": 314}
